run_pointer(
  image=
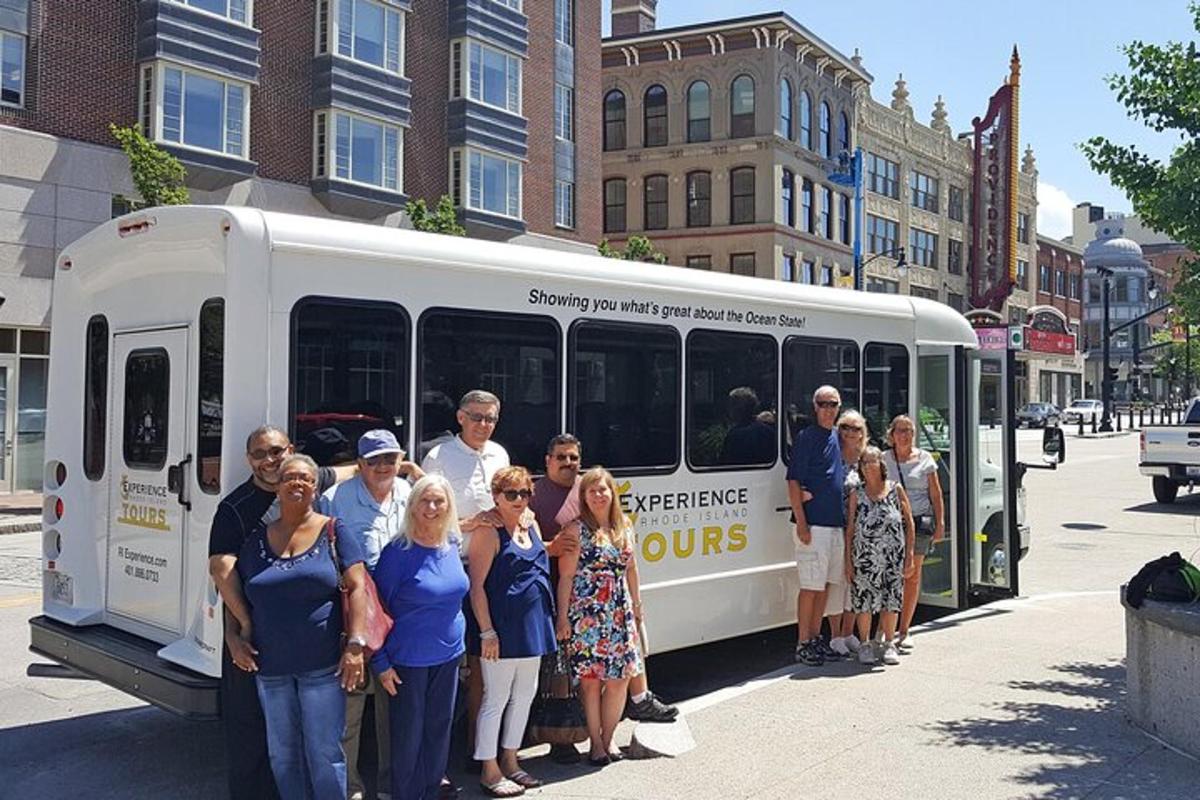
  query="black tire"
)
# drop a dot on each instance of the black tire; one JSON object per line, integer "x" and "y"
{"x": 1165, "y": 489}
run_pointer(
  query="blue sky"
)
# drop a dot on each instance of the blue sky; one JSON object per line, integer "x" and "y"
{"x": 952, "y": 48}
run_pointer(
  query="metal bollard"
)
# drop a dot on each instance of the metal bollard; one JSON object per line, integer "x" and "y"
{"x": 1118, "y": 416}
{"x": 1081, "y": 424}
{"x": 1131, "y": 418}
{"x": 1142, "y": 417}
{"x": 1151, "y": 415}
{"x": 1093, "y": 422}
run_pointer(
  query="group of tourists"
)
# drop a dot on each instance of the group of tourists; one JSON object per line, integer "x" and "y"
{"x": 485, "y": 576}
{"x": 864, "y": 521}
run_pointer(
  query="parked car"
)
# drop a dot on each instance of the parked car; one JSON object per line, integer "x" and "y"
{"x": 1170, "y": 455}
{"x": 1038, "y": 415}
{"x": 1082, "y": 409}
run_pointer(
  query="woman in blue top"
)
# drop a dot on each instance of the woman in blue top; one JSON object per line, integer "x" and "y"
{"x": 291, "y": 582}
{"x": 510, "y": 595}
{"x": 422, "y": 584}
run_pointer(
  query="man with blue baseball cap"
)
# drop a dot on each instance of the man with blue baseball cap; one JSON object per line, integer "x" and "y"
{"x": 371, "y": 505}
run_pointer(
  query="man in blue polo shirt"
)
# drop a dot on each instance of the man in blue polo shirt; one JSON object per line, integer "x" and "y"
{"x": 815, "y": 477}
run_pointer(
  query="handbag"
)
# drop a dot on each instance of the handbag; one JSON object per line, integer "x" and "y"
{"x": 556, "y": 716}
{"x": 379, "y": 623}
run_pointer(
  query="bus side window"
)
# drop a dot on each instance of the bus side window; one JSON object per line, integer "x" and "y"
{"x": 623, "y": 394}
{"x": 731, "y": 399}
{"x": 885, "y": 387}
{"x": 809, "y": 364}
{"x": 514, "y": 356}
{"x": 147, "y": 395}
{"x": 212, "y": 395}
{"x": 95, "y": 397}
{"x": 349, "y": 375}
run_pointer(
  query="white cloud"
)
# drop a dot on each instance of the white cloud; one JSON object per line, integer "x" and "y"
{"x": 1054, "y": 211}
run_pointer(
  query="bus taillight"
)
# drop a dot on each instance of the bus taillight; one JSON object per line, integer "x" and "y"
{"x": 53, "y": 509}
{"x": 55, "y": 475}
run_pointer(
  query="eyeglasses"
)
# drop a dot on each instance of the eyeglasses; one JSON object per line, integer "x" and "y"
{"x": 269, "y": 452}
{"x": 298, "y": 477}
{"x": 566, "y": 457}
{"x": 486, "y": 419}
{"x": 828, "y": 403}
{"x": 386, "y": 458}
{"x": 511, "y": 495}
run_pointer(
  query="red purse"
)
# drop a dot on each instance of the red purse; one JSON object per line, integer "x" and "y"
{"x": 379, "y": 623}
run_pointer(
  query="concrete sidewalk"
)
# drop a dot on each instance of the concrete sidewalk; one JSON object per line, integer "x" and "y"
{"x": 1023, "y": 698}
{"x": 20, "y": 512}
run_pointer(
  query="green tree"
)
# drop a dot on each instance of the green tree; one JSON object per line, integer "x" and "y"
{"x": 1162, "y": 90}
{"x": 637, "y": 248}
{"x": 157, "y": 175}
{"x": 443, "y": 219}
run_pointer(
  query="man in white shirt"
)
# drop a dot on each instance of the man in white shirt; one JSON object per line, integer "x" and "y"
{"x": 468, "y": 461}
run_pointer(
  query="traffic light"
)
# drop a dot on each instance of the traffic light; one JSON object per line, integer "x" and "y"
{"x": 1111, "y": 374}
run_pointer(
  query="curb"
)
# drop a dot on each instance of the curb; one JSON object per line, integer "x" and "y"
{"x": 1109, "y": 435}
{"x": 20, "y": 526}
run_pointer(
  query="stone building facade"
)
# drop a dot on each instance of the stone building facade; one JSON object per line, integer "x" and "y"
{"x": 344, "y": 108}
{"x": 718, "y": 140}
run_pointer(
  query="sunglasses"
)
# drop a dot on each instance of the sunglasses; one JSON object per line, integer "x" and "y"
{"x": 270, "y": 452}
{"x": 298, "y": 477}
{"x": 387, "y": 458}
{"x": 487, "y": 419}
{"x": 511, "y": 495}
{"x": 854, "y": 428}
{"x": 828, "y": 403}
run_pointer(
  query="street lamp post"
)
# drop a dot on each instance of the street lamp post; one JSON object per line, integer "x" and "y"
{"x": 1106, "y": 379}
{"x": 849, "y": 172}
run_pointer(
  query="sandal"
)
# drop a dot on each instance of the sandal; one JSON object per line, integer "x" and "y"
{"x": 524, "y": 779}
{"x": 502, "y": 788}
{"x": 599, "y": 761}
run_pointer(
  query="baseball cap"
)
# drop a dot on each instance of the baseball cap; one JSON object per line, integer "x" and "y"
{"x": 378, "y": 442}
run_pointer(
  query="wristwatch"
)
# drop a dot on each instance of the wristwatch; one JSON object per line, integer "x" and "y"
{"x": 360, "y": 640}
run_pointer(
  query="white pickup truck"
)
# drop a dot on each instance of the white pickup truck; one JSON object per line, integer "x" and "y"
{"x": 1170, "y": 454}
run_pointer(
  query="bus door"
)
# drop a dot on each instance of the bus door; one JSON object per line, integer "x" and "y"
{"x": 937, "y": 408}
{"x": 988, "y": 480}
{"x": 148, "y": 465}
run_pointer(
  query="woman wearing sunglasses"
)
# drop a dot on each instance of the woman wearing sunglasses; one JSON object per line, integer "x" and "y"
{"x": 599, "y": 605}
{"x": 513, "y": 602}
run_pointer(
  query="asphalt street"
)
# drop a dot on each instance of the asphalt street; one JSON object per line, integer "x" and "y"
{"x": 1018, "y": 699}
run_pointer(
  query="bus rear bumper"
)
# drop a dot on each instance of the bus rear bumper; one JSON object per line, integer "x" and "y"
{"x": 128, "y": 663}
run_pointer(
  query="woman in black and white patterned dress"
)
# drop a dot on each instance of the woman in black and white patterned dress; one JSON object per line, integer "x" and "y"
{"x": 879, "y": 538}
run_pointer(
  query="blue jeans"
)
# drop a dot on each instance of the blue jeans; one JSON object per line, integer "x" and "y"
{"x": 421, "y": 713}
{"x": 306, "y": 713}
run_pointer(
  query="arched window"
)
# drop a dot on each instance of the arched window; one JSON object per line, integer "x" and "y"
{"x": 843, "y": 132}
{"x": 824, "y": 143}
{"x": 805, "y": 120}
{"x": 614, "y": 120}
{"x": 784, "y": 126}
{"x": 614, "y": 205}
{"x": 741, "y": 195}
{"x": 654, "y": 203}
{"x": 787, "y": 201}
{"x": 699, "y": 112}
{"x": 741, "y": 107}
{"x": 699, "y": 199}
{"x": 654, "y": 117}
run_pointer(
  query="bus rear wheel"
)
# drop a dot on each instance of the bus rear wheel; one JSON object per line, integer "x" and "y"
{"x": 1165, "y": 489}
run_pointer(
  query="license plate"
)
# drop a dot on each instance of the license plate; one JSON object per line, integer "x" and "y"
{"x": 59, "y": 587}
{"x": 1193, "y": 472}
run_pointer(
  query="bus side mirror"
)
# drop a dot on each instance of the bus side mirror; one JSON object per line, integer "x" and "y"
{"x": 1054, "y": 446}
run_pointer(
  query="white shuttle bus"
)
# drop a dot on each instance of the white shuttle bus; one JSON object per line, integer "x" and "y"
{"x": 176, "y": 331}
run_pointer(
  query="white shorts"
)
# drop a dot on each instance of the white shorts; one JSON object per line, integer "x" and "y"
{"x": 821, "y": 561}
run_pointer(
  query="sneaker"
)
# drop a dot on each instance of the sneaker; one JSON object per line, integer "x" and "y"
{"x": 809, "y": 654}
{"x": 904, "y": 643}
{"x": 890, "y": 654}
{"x": 852, "y": 643}
{"x": 827, "y": 652}
{"x": 866, "y": 654}
{"x": 651, "y": 709}
{"x": 840, "y": 647}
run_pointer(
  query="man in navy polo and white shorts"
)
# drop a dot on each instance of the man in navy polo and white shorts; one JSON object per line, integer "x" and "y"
{"x": 816, "y": 471}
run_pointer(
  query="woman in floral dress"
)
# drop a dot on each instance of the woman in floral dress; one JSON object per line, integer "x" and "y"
{"x": 599, "y": 605}
{"x": 879, "y": 538}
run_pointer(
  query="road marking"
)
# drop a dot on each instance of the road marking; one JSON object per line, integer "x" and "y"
{"x": 19, "y": 600}
{"x": 728, "y": 693}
